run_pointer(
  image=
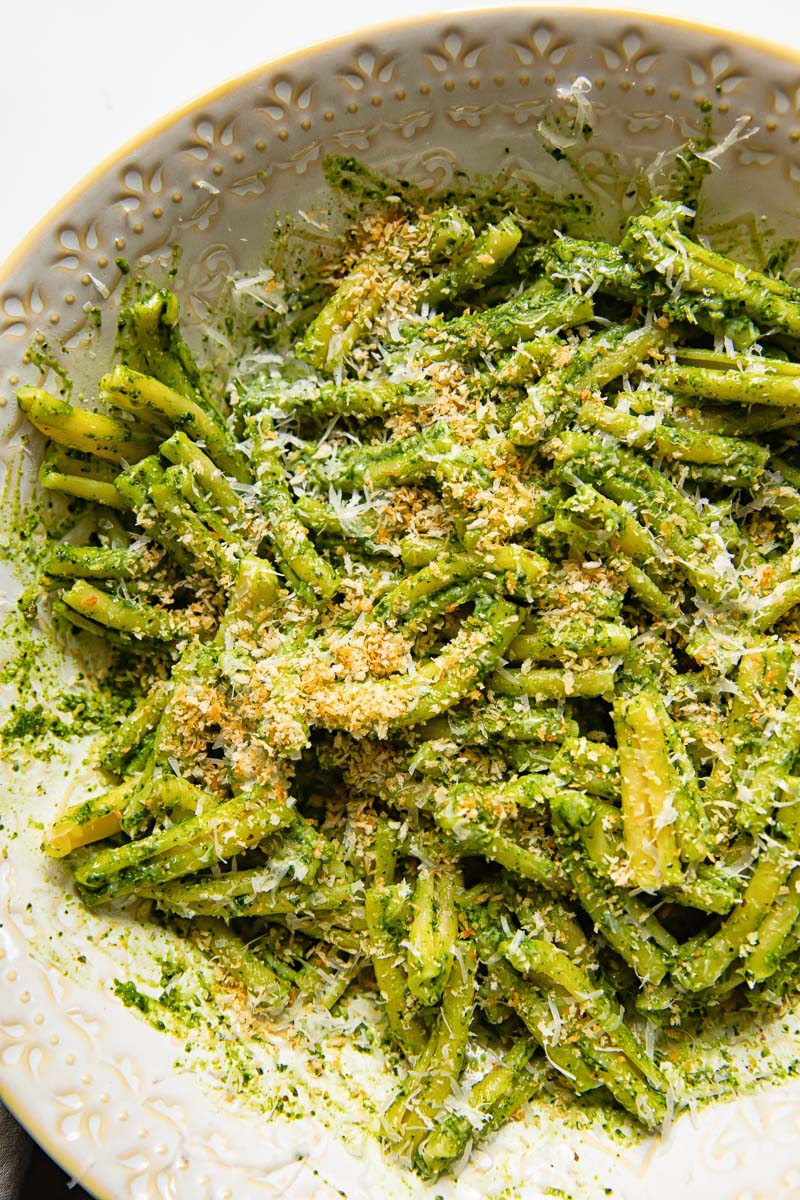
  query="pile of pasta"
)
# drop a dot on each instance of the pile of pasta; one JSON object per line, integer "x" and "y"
{"x": 466, "y": 619}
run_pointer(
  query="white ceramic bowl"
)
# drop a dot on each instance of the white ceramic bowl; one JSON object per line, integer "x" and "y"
{"x": 107, "y": 1095}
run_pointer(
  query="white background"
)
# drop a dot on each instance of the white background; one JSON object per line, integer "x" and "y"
{"x": 79, "y": 78}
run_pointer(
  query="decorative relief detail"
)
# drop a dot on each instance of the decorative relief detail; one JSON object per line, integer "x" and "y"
{"x": 454, "y": 53}
{"x": 717, "y": 70}
{"x": 630, "y": 53}
{"x": 541, "y": 45}
{"x": 206, "y": 279}
{"x": 285, "y": 98}
{"x": 369, "y": 68}
{"x": 424, "y": 102}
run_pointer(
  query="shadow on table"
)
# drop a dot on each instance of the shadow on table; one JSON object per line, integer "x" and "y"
{"x": 45, "y": 1181}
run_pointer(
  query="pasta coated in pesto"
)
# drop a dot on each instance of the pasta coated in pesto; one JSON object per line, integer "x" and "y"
{"x": 468, "y": 618}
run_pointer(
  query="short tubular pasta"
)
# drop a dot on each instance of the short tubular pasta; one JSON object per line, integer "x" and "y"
{"x": 467, "y": 612}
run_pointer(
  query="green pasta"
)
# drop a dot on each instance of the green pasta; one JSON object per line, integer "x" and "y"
{"x": 467, "y": 613}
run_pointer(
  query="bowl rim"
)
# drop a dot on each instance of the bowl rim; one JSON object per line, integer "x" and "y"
{"x": 26, "y": 1116}
{"x": 553, "y": 11}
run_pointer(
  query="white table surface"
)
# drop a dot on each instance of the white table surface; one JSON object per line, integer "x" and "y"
{"x": 79, "y": 79}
